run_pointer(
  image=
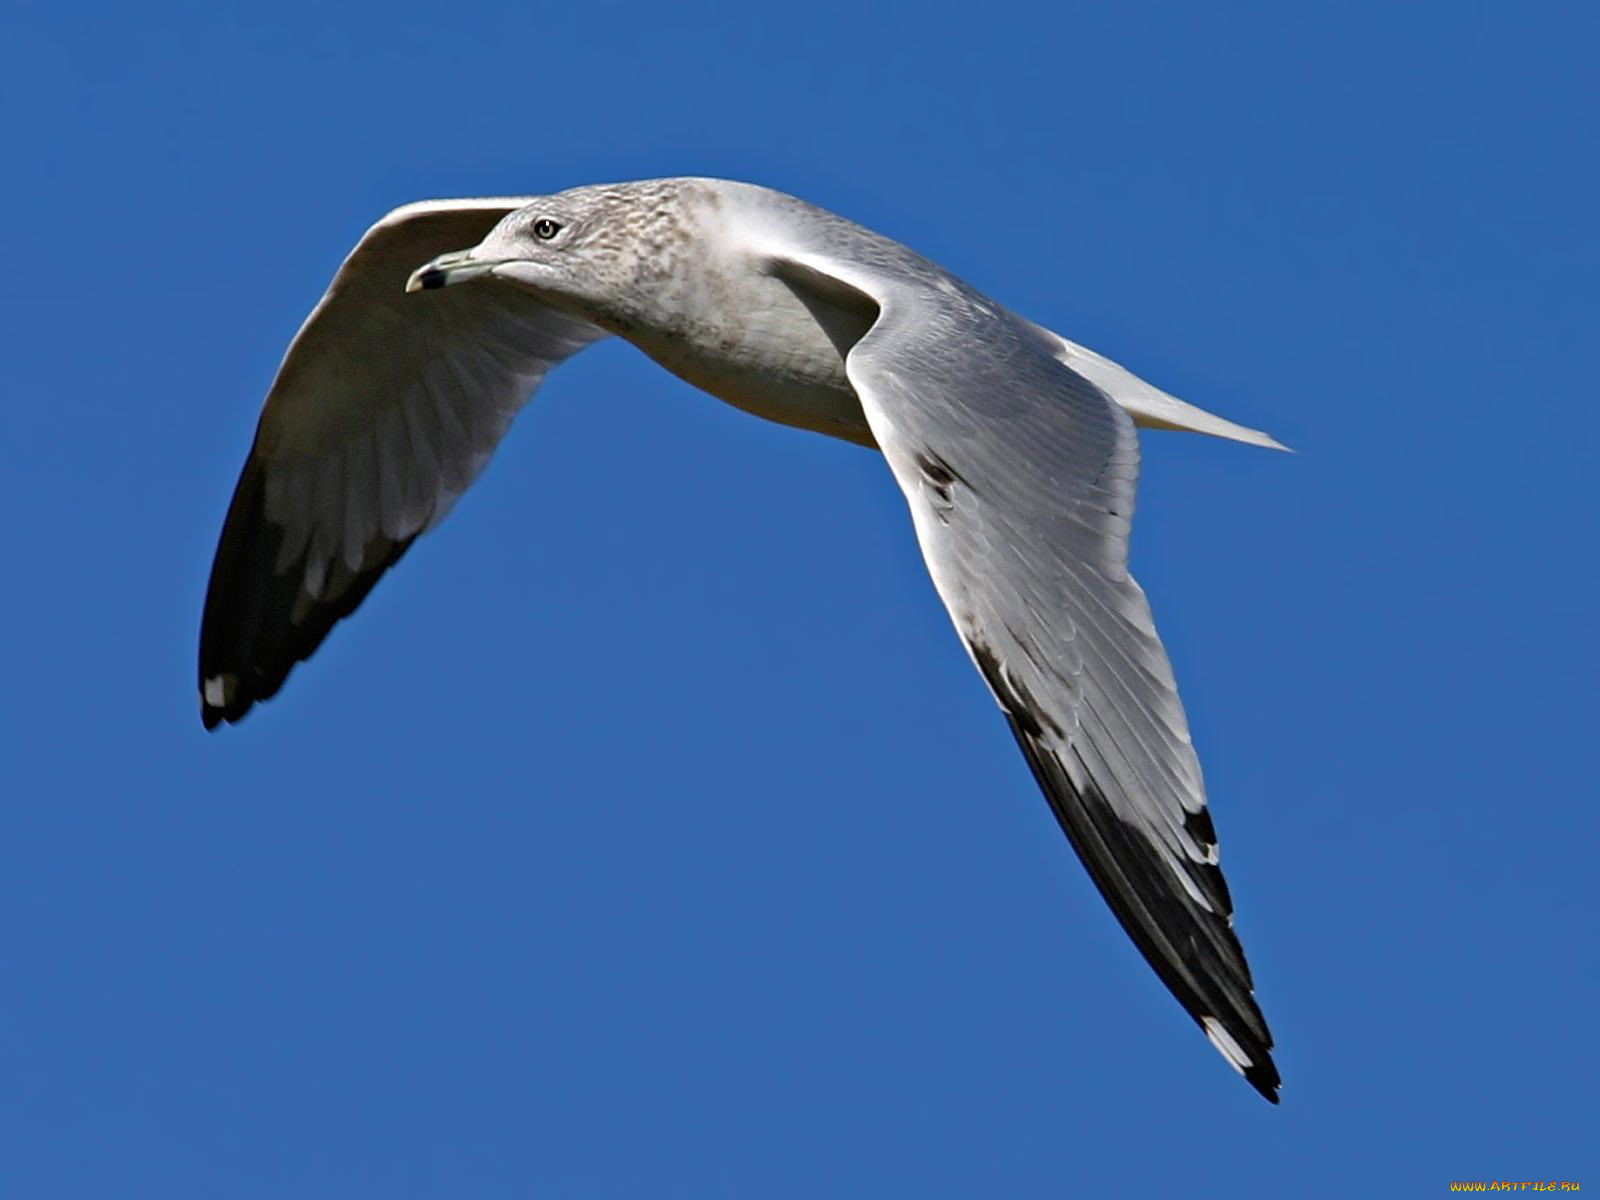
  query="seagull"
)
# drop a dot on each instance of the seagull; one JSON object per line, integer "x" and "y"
{"x": 1015, "y": 449}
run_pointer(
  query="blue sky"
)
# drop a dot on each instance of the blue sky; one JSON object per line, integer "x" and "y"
{"x": 649, "y": 833}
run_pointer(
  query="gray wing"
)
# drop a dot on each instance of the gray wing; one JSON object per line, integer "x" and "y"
{"x": 1020, "y": 474}
{"x": 385, "y": 409}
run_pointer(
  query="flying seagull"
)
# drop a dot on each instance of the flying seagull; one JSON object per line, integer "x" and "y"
{"x": 1015, "y": 449}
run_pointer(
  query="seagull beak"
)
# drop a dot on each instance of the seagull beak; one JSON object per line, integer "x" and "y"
{"x": 448, "y": 269}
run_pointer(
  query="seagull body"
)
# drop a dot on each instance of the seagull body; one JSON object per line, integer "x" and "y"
{"x": 1014, "y": 447}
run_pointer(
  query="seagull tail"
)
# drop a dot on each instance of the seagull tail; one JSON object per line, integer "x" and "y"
{"x": 1150, "y": 407}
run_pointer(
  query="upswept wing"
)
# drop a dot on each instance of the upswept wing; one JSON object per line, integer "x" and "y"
{"x": 386, "y": 408}
{"x": 1020, "y": 474}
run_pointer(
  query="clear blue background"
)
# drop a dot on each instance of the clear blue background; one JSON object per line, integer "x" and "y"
{"x": 649, "y": 832}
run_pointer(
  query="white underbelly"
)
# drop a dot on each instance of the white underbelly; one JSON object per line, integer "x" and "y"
{"x": 773, "y": 360}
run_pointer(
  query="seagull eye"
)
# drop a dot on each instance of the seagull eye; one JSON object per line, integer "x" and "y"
{"x": 545, "y": 228}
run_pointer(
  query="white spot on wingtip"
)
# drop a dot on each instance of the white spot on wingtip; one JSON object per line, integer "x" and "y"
{"x": 218, "y": 691}
{"x": 1223, "y": 1041}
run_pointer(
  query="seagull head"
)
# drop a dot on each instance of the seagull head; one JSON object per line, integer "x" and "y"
{"x": 533, "y": 246}
{"x": 595, "y": 251}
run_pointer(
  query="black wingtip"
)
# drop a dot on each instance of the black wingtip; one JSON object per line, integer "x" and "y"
{"x": 258, "y": 621}
{"x": 1209, "y": 975}
{"x": 231, "y": 712}
{"x": 1264, "y": 1078}
{"x": 1247, "y": 1051}
{"x": 224, "y": 699}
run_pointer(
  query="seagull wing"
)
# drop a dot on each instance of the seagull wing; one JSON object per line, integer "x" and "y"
{"x": 1020, "y": 474}
{"x": 385, "y": 409}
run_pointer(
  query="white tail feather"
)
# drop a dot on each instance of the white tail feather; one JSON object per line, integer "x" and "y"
{"x": 1149, "y": 406}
